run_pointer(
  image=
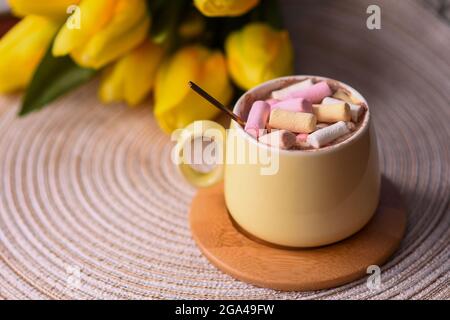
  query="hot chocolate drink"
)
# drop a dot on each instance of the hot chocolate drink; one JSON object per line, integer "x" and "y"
{"x": 306, "y": 115}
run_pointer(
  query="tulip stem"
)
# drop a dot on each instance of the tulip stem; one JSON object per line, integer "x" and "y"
{"x": 216, "y": 103}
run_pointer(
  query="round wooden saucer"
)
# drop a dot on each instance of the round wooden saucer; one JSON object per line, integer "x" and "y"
{"x": 251, "y": 260}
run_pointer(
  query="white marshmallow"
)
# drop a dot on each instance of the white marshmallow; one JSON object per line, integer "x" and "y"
{"x": 351, "y": 126}
{"x": 355, "y": 109}
{"x": 284, "y": 93}
{"x": 323, "y": 136}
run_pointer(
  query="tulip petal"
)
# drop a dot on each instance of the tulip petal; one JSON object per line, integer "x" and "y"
{"x": 56, "y": 9}
{"x": 100, "y": 53}
{"x": 174, "y": 76}
{"x": 258, "y": 53}
{"x": 95, "y": 14}
{"x": 132, "y": 77}
{"x": 111, "y": 87}
{"x": 175, "y": 104}
{"x": 142, "y": 66}
{"x": 126, "y": 30}
{"x": 220, "y": 8}
{"x": 21, "y": 49}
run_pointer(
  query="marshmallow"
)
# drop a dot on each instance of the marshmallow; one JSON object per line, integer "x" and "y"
{"x": 302, "y": 137}
{"x": 315, "y": 94}
{"x": 284, "y": 93}
{"x": 299, "y": 122}
{"x": 257, "y": 118}
{"x": 326, "y": 135}
{"x": 295, "y": 105}
{"x": 329, "y": 100}
{"x": 282, "y": 139}
{"x": 351, "y": 126}
{"x": 300, "y": 141}
{"x": 355, "y": 109}
{"x": 342, "y": 94}
{"x": 322, "y": 125}
{"x": 332, "y": 112}
{"x": 272, "y": 101}
{"x": 302, "y": 145}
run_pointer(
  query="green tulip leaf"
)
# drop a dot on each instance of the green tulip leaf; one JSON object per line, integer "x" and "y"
{"x": 54, "y": 77}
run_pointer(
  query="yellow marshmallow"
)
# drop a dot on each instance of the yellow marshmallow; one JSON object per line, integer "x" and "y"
{"x": 344, "y": 96}
{"x": 332, "y": 112}
{"x": 299, "y": 122}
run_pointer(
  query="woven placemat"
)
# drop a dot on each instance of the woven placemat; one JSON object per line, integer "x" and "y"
{"x": 92, "y": 207}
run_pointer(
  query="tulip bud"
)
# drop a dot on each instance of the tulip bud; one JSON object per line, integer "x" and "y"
{"x": 258, "y": 53}
{"x": 55, "y": 9}
{"x": 109, "y": 29}
{"x": 221, "y": 8}
{"x": 132, "y": 77}
{"x": 176, "y": 105}
{"x": 21, "y": 50}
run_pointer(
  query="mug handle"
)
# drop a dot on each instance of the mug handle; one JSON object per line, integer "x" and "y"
{"x": 191, "y": 132}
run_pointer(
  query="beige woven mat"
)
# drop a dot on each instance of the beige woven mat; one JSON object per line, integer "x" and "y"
{"x": 91, "y": 206}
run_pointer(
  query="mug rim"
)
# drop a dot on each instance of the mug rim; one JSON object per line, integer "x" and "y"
{"x": 328, "y": 149}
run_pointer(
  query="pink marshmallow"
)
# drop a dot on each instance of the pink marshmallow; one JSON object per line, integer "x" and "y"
{"x": 257, "y": 118}
{"x": 301, "y": 137}
{"x": 294, "y": 105}
{"x": 272, "y": 101}
{"x": 314, "y": 94}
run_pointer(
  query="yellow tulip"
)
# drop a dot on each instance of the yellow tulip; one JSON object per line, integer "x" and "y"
{"x": 258, "y": 53}
{"x": 220, "y": 8}
{"x": 108, "y": 30}
{"x": 176, "y": 105}
{"x": 56, "y": 9}
{"x": 132, "y": 77}
{"x": 21, "y": 49}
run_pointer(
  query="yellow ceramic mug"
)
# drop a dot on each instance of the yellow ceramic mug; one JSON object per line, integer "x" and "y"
{"x": 315, "y": 198}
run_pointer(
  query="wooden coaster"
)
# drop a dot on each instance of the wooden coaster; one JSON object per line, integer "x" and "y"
{"x": 250, "y": 260}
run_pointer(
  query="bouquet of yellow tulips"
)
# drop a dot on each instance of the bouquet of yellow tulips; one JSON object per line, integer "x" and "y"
{"x": 143, "y": 46}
